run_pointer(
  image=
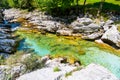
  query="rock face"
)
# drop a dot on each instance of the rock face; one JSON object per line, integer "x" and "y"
{"x": 112, "y": 36}
{"x": 8, "y": 73}
{"x": 1, "y": 16}
{"x": 91, "y": 72}
{"x": 85, "y": 26}
{"x": 93, "y": 36}
{"x": 7, "y": 44}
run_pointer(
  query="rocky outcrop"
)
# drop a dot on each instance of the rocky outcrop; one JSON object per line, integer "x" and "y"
{"x": 48, "y": 72}
{"x": 85, "y": 26}
{"x": 88, "y": 73}
{"x": 108, "y": 24}
{"x": 11, "y": 72}
{"x": 7, "y": 44}
{"x": 93, "y": 36}
{"x": 91, "y": 72}
{"x": 112, "y": 36}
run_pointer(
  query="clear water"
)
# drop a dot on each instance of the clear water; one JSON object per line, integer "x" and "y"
{"x": 85, "y": 51}
{"x": 27, "y": 44}
{"x": 108, "y": 60}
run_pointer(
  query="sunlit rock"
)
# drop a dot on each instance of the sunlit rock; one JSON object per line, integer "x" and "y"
{"x": 91, "y": 72}
{"x": 112, "y": 36}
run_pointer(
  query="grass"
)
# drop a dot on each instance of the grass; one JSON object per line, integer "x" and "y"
{"x": 56, "y": 69}
{"x": 94, "y": 1}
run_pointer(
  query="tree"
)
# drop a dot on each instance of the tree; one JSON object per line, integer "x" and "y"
{"x": 84, "y": 6}
{"x": 100, "y": 8}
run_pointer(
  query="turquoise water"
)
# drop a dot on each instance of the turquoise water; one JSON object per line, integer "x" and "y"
{"x": 44, "y": 45}
{"x": 27, "y": 44}
{"x": 106, "y": 59}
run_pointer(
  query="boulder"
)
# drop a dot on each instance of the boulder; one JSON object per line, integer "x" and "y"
{"x": 91, "y": 28}
{"x": 3, "y": 69}
{"x": 112, "y": 36}
{"x": 11, "y": 73}
{"x": 91, "y": 72}
{"x": 64, "y": 32}
{"x": 93, "y": 36}
{"x": 49, "y": 26}
{"x": 85, "y": 21}
{"x": 47, "y": 73}
{"x": 108, "y": 25}
{"x": 109, "y": 22}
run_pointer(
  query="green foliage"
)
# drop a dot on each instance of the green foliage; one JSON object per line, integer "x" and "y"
{"x": 68, "y": 74}
{"x": 33, "y": 62}
{"x": 56, "y": 69}
{"x": 12, "y": 3}
{"x": 2, "y": 60}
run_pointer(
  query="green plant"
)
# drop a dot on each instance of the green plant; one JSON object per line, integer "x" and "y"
{"x": 33, "y": 62}
{"x": 56, "y": 69}
{"x": 68, "y": 74}
{"x": 2, "y": 60}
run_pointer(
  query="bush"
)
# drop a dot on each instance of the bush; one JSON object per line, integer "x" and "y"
{"x": 33, "y": 62}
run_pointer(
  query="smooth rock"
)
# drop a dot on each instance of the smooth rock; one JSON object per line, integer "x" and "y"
{"x": 93, "y": 36}
{"x": 64, "y": 32}
{"x": 109, "y": 22}
{"x": 91, "y": 72}
{"x": 85, "y": 21}
{"x": 47, "y": 74}
{"x": 112, "y": 36}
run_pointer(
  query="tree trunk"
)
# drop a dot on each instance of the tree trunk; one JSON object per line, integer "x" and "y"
{"x": 84, "y": 6}
{"x": 77, "y": 7}
{"x": 100, "y": 8}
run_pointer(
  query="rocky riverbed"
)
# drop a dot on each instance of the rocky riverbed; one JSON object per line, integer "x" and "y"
{"x": 67, "y": 47}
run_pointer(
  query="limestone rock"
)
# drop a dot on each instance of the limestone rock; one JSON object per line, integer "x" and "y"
{"x": 91, "y": 72}
{"x": 93, "y": 36}
{"x": 46, "y": 74}
{"x": 109, "y": 22}
{"x": 85, "y": 21}
{"x": 112, "y": 36}
{"x": 64, "y": 32}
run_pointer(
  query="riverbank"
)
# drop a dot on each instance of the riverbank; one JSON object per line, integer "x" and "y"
{"x": 84, "y": 41}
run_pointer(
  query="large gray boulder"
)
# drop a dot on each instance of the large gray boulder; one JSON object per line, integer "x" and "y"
{"x": 93, "y": 36}
{"x": 7, "y": 45}
{"x": 11, "y": 72}
{"x": 46, "y": 74}
{"x": 91, "y": 28}
{"x": 85, "y": 21}
{"x": 49, "y": 26}
{"x": 108, "y": 25}
{"x": 112, "y": 36}
{"x": 91, "y": 72}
